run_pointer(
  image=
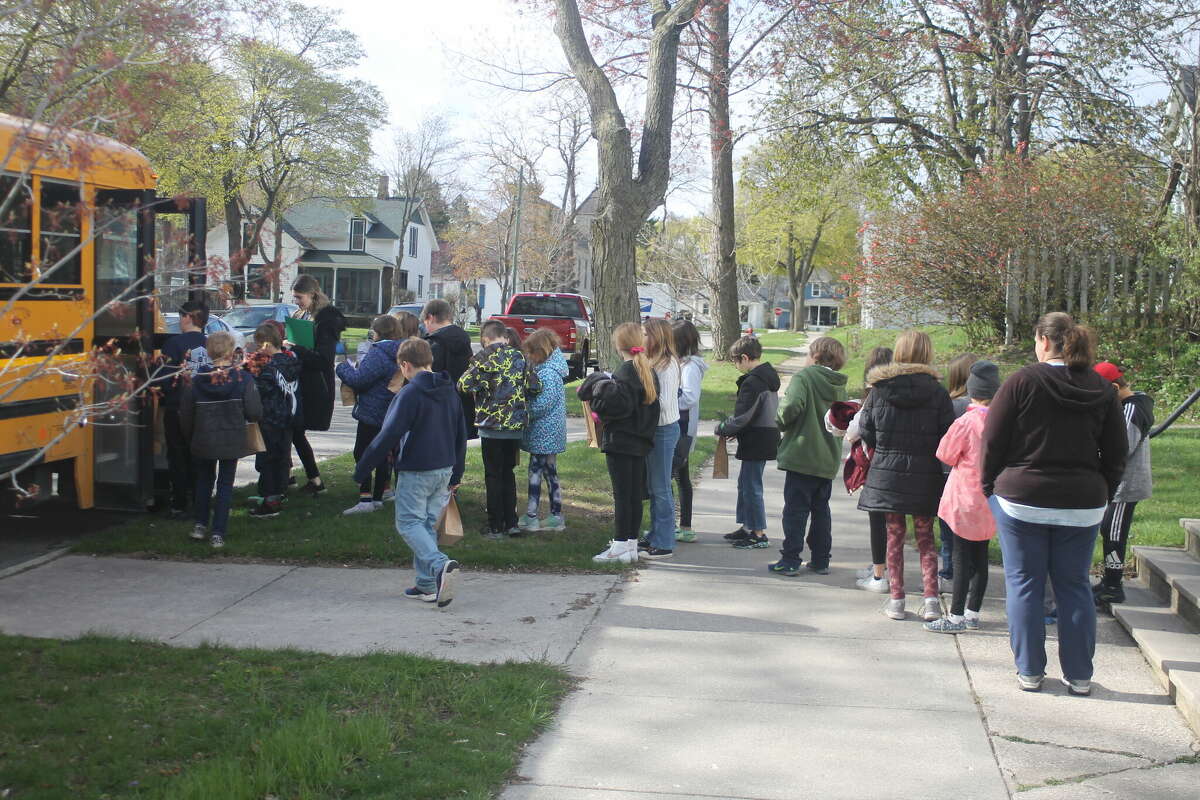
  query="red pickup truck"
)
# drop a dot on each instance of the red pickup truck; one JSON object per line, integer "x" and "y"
{"x": 568, "y": 315}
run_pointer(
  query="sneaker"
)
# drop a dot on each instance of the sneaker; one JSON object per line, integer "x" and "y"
{"x": 362, "y": 507}
{"x": 740, "y": 533}
{"x": 389, "y": 495}
{"x": 217, "y": 541}
{"x": 643, "y": 544}
{"x": 265, "y": 510}
{"x": 1051, "y": 618}
{"x": 514, "y": 530}
{"x": 491, "y": 535}
{"x": 931, "y": 609}
{"x": 176, "y": 513}
{"x": 529, "y": 522}
{"x": 554, "y": 522}
{"x": 446, "y": 580}
{"x": 313, "y": 489}
{"x": 685, "y": 535}
{"x": 1030, "y": 683}
{"x": 1107, "y": 594}
{"x": 972, "y": 623}
{"x": 894, "y": 609}
{"x": 199, "y": 533}
{"x": 945, "y": 625}
{"x": 865, "y": 572}
{"x": 873, "y": 584}
{"x": 820, "y": 569}
{"x": 419, "y": 594}
{"x": 752, "y": 542}
{"x": 946, "y": 585}
{"x": 789, "y": 568}
{"x": 1080, "y": 688}
{"x": 617, "y": 553}
{"x": 656, "y": 554}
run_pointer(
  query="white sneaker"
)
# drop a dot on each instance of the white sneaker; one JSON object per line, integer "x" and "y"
{"x": 199, "y": 533}
{"x": 867, "y": 572}
{"x": 389, "y": 495}
{"x": 931, "y": 609}
{"x": 894, "y": 608}
{"x": 362, "y": 507}
{"x": 872, "y": 584}
{"x": 945, "y": 585}
{"x": 618, "y": 553}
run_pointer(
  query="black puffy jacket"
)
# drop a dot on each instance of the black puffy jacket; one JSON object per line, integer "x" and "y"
{"x": 618, "y": 400}
{"x": 214, "y": 411}
{"x": 904, "y": 419}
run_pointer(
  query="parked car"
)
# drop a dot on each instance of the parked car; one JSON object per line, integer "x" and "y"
{"x": 568, "y": 315}
{"x": 413, "y": 308}
{"x": 247, "y": 318}
{"x": 214, "y": 324}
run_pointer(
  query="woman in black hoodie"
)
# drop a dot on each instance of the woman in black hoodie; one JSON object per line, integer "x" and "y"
{"x": 1053, "y": 453}
{"x": 316, "y": 372}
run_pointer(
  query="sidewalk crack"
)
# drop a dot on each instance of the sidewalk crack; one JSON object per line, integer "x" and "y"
{"x": 231, "y": 605}
{"x": 612, "y": 587}
{"x": 1100, "y": 750}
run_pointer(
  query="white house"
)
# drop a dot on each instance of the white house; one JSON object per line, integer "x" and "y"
{"x": 352, "y": 246}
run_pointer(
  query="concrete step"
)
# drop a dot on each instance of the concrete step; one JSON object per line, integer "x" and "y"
{"x": 1192, "y": 528}
{"x": 1174, "y": 576}
{"x": 1169, "y": 644}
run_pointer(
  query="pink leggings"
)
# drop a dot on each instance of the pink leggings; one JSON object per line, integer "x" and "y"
{"x": 896, "y": 533}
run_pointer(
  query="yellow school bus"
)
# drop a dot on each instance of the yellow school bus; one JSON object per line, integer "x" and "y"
{"x": 78, "y": 231}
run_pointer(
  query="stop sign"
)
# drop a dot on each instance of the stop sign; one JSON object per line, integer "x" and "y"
{"x": 778, "y": 311}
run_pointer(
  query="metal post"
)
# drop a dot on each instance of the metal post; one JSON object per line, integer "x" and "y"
{"x": 517, "y": 228}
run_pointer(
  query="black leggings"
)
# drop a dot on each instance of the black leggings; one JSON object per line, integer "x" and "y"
{"x": 305, "y": 451}
{"x": 683, "y": 478}
{"x": 1114, "y": 533}
{"x": 362, "y": 439}
{"x": 628, "y": 476}
{"x": 499, "y": 461}
{"x": 970, "y": 568}
{"x": 878, "y": 523}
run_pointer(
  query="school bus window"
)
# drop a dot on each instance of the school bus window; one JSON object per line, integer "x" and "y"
{"x": 16, "y": 231}
{"x": 60, "y": 226}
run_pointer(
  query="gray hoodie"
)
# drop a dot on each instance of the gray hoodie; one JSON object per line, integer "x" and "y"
{"x": 1137, "y": 483}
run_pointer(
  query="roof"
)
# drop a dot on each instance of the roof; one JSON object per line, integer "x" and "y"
{"x": 327, "y": 217}
{"x": 71, "y": 154}
{"x": 342, "y": 258}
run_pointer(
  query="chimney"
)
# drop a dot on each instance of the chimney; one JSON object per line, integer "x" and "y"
{"x": 382, "y": 192}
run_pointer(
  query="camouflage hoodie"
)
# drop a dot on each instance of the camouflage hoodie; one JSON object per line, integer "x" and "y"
{"x": 502, "y": 385}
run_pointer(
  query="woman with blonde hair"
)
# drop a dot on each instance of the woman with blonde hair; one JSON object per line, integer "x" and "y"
{"x": 316, "y": 372}
{"x": 908, "y": 413}
{"x": 627, "y": 404}
{"x": 410, "y": 326}
{"x": 660, "y": 351}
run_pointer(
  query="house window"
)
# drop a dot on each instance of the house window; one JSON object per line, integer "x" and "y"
{"x": 814, "y": 290}
{"x": 323, "y": 276}
{"x": 248, "y": 242}
{"x": 420, "y": 286}
{"x": 412, "y": 242}
{"x": 704, "y": 308}
{"x": 403, "y": 279}
{"x": 358, "y": 234}
{"x": 358, "y": 291}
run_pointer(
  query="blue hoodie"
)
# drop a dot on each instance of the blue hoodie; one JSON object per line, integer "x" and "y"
{"x": 425, "y": 424}
{"x": 547, "y": 429}
{"x": 370, "y": 381}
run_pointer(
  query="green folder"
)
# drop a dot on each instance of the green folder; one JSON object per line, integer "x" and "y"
{"x": 299, "y": 331}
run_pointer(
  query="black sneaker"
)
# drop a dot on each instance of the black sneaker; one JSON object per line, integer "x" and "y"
{"x": 291, "y": 480}
{"x": 752, "y": 542}
{"x": 1108, "y": 594}
{"x": 740, "y": 533}
{"x": 820, "y": 569}
{"x": 265, "y": 510}
{"x": 656, "y": 553}
{"x": 643, "y": 545}
{"x": 447, "y": 578}
{"x": 493, "y": 535}
{"x": 313, "y": 489}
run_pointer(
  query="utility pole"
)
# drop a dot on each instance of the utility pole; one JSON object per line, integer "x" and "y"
{"x": 517, "y": 228}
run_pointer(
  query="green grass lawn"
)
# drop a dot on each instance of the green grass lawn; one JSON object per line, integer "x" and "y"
{"x": 113, "y": 718}
{"x": 948, "y": 342}
{"x": 313, "y": 531}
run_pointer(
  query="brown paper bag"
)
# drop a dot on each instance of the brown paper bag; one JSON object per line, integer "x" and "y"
{"x": 254, "y": 439}
{"x": 348, "y": 396}
{"x": 449, "y": 525}
{"x": 593, "y": 427}
{"x": 721, "y": 459}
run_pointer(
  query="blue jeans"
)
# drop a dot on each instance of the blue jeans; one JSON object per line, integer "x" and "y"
{"x": 1033, "y": 552}
{"x": 751, "y": 510}
{"x": 946, "y": 553}
{"x": 223, "y": 472}
{"x": 806, "y": 496}
{"x": 420, "y": 498}
{"x": 662, "y": 501}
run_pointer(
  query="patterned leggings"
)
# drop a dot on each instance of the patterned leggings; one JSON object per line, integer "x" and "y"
{"x": 897, "y": 531}
{"x": 544, "y": 467}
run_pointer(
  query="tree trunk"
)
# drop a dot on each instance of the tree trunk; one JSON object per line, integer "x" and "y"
{"x": 726, "y": 320}
{"x": 614, "y": 242}
{"x": 233, "y": 236}
{"x": 276, "y": 267}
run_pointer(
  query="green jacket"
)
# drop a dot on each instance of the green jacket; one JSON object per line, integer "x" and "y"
{"x": 807, "y": 447}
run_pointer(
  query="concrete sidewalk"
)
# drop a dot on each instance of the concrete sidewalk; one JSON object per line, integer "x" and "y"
{"x": 709, "y": 677}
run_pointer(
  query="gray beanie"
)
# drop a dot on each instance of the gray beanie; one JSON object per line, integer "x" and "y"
{"x": 984, "y": 380}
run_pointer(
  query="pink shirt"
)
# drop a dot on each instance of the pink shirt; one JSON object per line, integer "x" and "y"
{"x": 963, "y": 506}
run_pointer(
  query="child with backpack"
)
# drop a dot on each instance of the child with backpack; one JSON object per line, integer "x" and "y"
{"x": 277, "y": 375}
{"x": 626, "y": 402}
{"x": 502, "y": 384}
{"x": 810, "y": 457}
{"x": 1136, "y": 484}
{"x": 425, "y": 436}
{"x": 546, "y": 435}
{"x": 213, "y": 413}
{"x": 753, "y": 425}
{"x": 963, "y": 506}
{"x": 369, "y": 379}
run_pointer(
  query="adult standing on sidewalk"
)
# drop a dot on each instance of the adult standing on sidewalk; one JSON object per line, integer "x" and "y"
{"x": 660, "y": 350}
{"x": 452, "y": 351}
{"x": 1054, "y": 449}
{"x": 316, "y": 372}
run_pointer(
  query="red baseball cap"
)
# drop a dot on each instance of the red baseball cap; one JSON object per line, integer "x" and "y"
{"x": 1109, "y": 371}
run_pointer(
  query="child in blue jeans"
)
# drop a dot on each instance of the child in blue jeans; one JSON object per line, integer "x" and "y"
{"x": 425, "y": 436}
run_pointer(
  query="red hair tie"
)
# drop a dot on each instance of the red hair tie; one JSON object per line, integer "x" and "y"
{"x": 636, "y": 350}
